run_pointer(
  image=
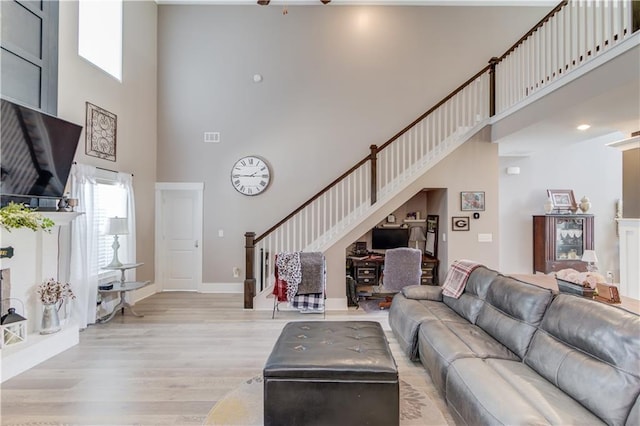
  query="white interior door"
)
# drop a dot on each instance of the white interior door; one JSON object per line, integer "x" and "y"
{"x": 179, "y": 236}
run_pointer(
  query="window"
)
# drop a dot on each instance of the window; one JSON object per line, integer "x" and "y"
{"x": 100, "y": 34}
{"x": 110, "y": 200}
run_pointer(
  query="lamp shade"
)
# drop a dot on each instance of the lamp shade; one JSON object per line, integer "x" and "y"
{"x": 117, "y": 226}
{"x": 589, "y": 256}
{"x": 416, "y": 234}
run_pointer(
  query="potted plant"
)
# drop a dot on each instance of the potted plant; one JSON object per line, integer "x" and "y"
{"x": 15, "y": 216}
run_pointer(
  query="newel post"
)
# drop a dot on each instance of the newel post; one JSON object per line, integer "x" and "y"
{"x": 492, "y": 86}
{"x": 249, "y": 279}
{"x": 374, "y": 173}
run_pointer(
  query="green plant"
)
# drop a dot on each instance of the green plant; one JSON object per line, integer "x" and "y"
{"x": 14, "y": 216}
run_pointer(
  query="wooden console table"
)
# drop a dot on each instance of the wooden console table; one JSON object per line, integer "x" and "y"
{"x": 122, "y": 287}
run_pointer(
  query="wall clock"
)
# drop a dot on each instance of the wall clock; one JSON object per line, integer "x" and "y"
{"x": 250, "y": 175}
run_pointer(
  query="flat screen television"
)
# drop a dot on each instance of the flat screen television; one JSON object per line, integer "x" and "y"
{"x": 36, "y": 153}
{"x": 383, "y": 239}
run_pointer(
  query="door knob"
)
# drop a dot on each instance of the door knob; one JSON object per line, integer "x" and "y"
{"x": 196, "y": 243}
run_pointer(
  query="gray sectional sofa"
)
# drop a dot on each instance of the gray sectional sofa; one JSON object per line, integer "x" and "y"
{"x": 512, "y": 353}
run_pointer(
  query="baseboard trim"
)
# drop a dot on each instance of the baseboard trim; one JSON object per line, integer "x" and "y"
{"x": 221, "y": 288}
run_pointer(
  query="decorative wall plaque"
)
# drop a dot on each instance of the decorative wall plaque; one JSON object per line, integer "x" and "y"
{"x": 100, "y": 133}
{"x": 6, "y": 252}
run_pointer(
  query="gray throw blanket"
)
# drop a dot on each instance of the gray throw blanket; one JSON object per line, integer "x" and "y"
{"x": 312, "y": 267}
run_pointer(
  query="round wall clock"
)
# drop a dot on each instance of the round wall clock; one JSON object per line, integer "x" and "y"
{"x": 250, "y": 175}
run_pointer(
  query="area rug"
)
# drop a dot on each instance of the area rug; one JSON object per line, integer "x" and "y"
{"x": 244, "y": 406}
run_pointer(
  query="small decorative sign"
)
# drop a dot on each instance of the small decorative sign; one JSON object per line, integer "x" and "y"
{"x": 6, "y": 252}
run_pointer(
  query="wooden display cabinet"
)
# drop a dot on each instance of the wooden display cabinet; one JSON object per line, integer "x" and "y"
{"x": 559, "y": 241}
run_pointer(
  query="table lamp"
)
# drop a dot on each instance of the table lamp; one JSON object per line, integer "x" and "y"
{"x": 116, "y": 226}
{"x": 590, "y": 257}
{"x": 416, "y": 234}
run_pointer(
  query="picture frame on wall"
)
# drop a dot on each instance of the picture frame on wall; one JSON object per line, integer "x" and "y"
{"x": 100, "y": 133}
{"x": 562, "y": 199}
{"x": 472, "y": 201}
{"x": 460, "y": 223}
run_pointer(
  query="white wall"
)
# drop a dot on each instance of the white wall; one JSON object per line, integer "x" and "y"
{"x": 133, "y": 101}
{"x": 336, "y": 80}
{"x": 588, "y": 168}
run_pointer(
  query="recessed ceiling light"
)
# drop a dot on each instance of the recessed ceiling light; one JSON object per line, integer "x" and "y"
{"x": 583, "y": 127}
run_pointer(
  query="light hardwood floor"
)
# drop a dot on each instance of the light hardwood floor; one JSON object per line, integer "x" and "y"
{"x": 169, "y": 367}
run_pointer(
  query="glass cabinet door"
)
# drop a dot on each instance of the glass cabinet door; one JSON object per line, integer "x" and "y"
{"x": 569, "y": 238}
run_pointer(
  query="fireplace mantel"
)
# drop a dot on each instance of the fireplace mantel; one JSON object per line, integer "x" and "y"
{"x": 37, "y": 256}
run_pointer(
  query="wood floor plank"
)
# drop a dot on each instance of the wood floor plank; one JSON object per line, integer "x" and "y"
{"x": 167, "y": 368}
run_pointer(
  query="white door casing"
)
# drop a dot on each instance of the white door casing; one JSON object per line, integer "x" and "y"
{"x": 179, "y": 236}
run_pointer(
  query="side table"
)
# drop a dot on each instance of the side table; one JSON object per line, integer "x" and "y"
{"x": 122, "y": 287}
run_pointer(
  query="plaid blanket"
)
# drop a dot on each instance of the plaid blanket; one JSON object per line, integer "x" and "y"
{"x": 457, "y": 277}
{"x": 308, "y": 302}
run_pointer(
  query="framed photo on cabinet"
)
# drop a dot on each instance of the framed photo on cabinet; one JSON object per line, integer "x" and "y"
{"x": 563, "y": 199}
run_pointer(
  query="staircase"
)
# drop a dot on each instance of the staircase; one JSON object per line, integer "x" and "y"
{"x": 570, "y": 36}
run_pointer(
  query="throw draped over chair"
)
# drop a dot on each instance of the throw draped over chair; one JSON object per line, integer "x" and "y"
{"x": 300, "y": 281}
{"x": 402, "y": 267}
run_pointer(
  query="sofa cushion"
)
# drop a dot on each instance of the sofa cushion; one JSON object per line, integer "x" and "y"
{"x": 503, "y": 392}
{"x": 423, "y": 292}
{"x": 442, "y": 342}
{"x": 512, "y": 311}
{"x": 469, "y": 303}
{"x": 591, "y": 351}
{"x": 406, "y": 315}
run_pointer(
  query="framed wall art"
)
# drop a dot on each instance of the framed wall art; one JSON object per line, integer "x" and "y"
{"x": 472, "y": 201}
{"x": 460, "y": 223}
{"x": 100, "y": 133}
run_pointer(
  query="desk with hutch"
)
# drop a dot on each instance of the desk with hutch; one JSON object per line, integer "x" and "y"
{"x": 366, "y": 271}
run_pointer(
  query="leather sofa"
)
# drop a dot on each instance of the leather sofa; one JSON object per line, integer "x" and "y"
{"x": 512, "y": 353}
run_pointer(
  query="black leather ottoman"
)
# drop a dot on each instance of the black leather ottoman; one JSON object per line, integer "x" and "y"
{"x": 331, "y": 373}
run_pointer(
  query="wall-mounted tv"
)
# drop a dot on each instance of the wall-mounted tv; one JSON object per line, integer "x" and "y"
{"x": 388, "y": 238}
{"x": 36, "y": 152}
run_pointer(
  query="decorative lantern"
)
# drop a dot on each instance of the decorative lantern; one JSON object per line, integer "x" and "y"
{"x": 14, "y": 328}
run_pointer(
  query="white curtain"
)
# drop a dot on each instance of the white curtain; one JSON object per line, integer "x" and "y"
{"x": 126, "y": 181}
{"x": 84, "y": 234}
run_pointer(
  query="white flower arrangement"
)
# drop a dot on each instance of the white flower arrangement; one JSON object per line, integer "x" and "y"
{"x": 54, "y": 292}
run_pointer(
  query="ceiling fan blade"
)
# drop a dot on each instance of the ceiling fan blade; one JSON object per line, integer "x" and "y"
{"x": 263, "y": 2}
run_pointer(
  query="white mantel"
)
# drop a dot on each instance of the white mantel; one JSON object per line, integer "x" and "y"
{"x": 37, "y": 256}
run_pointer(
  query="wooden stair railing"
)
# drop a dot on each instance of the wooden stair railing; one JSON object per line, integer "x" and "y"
{"x": 566, "y": 38}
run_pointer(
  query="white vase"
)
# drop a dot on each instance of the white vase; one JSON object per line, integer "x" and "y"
{"x": 548, "y": 206}
{"x": 585, "y": 204}
{"x": 50, "y": 319}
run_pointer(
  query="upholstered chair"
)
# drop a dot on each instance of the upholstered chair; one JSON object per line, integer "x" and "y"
{"x": 402, "y": 267}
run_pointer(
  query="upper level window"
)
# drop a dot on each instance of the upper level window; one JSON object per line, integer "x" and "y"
{"x": 100, "y": 34}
